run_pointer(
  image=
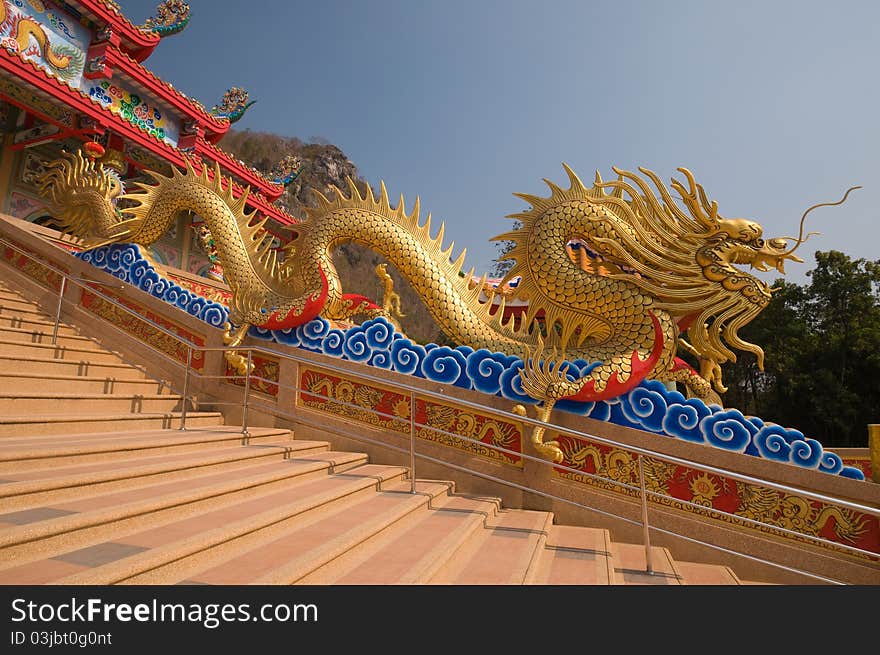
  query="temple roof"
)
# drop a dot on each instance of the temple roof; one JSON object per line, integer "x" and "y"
{"x": 182, "y": 104}
{"x": 134, "y": 39}
{"x": 46, "y": 85}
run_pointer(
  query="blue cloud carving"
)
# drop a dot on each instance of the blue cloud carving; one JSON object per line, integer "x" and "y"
{"x": 650, "y": 406}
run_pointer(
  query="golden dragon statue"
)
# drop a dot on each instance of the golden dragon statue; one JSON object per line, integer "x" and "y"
{"x": 668, "y": 270}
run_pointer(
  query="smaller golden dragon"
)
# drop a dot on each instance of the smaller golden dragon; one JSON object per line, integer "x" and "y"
{"x": 390, "y": 298}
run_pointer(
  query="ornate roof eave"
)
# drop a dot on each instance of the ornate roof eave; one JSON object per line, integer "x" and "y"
{"x": 38, "y": 77}
{"x": 139, "y": 43}
{"x": 256, "y": 199}
{"x": 250, "y": 176}
{"x": 213, "y": 126}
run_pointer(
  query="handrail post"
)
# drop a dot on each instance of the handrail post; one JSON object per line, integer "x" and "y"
{"x": 245, "y": 435}
{"x": 874, "y": 450}
{"x": 412, "y": 442}
{"x": 189, "y": 356}
{"x": 58, "y": 309}
{"x": 649, "y": 559}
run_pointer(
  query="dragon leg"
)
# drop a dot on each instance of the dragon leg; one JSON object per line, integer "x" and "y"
{"x": 550, "y": 449}
{"x": 549, "y": 382}
{"x": 546, "y": 381}
{"x": 352, "y": 304}
{"x": 698, "y": 386}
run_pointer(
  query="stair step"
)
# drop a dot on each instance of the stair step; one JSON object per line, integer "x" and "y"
{"x": 116, "y": 495}
{"x": 38, "y": 452}
{"x": 43, "y": 405}
{"x": 502, "y": 553}
{"x": 49, "y": 485}
{"x": 286, "y": 556}
{"x": 85, "y": 368}
{"x": 43, "y": 336}
{"x": 10, "y": 304}
{"x": 168, "y": 550}
{"x": 33, "y": 323}
{"x": 630, "y": 566}
{"x": 28, "y": 383}
{"x": 146, "y": 489}
{"x": 12, "y": 294}
{"x": 90, "y": 353}
{"x": 707, "y": 574}
{"x": 112, "y": 520}
{"x": 132, "y": 458}
{"x": 86, "y": 423}
{"x": 575, "y": 556}
{"x": 413, "y": 550}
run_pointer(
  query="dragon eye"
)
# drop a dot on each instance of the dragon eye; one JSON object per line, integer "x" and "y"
{"x": 759, "y": 243}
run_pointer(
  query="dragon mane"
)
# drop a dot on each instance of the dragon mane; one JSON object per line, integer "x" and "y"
{"x": 81, "y": 192}
{"x": 680, "y": 260}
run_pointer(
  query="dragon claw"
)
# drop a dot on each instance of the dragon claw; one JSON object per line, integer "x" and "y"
{"x": 235, "y": 359}
{"x": 551, "y": 451}
{"x": 238, "y": 362}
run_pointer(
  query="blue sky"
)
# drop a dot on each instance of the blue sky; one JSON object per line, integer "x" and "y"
{"x": 773, "y": 105}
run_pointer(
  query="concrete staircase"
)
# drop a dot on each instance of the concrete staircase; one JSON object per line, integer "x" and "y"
{"x": 98, "y": 487}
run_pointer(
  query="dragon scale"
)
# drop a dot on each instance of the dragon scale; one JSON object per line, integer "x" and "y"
{"x": 454, "y": 300}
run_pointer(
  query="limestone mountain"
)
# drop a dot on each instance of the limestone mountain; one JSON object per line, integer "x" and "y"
{"x": 324, "y": 166}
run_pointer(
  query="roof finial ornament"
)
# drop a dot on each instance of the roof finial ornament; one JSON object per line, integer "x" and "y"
{"x": 171, "y": 17}
{"x": 234, "y": 104}
{"x": 286, "y": 170}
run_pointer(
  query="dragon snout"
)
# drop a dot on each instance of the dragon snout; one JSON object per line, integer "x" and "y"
{"x": 771, "y": 253}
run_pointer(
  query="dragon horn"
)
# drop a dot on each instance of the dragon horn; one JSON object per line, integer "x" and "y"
{"x": 801, "y": 238}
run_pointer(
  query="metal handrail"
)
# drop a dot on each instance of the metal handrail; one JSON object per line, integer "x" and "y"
{"x": 358, "y": 436}
{"x": 549, "y": 426}
{"x": 64, "y": 280}
{"x": 412, "y": 391}
{"x": 80, "y": 283}
{"x": 618, "y": 483}
{"x": 425, "y": 392}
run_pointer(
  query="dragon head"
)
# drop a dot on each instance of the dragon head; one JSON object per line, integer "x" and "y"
{"x": 82, "y": 192}
{"x": 742, "y": 243}
{"x": 689, "y": 258}
{"x": 739, "y": 240}
{"x": 733, "y": 241}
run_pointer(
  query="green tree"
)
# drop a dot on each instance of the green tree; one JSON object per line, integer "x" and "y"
{"x": 822, "y": 354}
{"x": 501, "y": 266}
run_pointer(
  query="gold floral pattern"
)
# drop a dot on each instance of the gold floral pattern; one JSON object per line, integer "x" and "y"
{"x": 29, "y": 267}
{"x": 444, "y": 424}
{"x": 717, "y": 497}
{"x": 704, "y": 489}
{"x": 352, "y": 400}
{"x": 449, "y": 423}
{"x": 143, "y": 331}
